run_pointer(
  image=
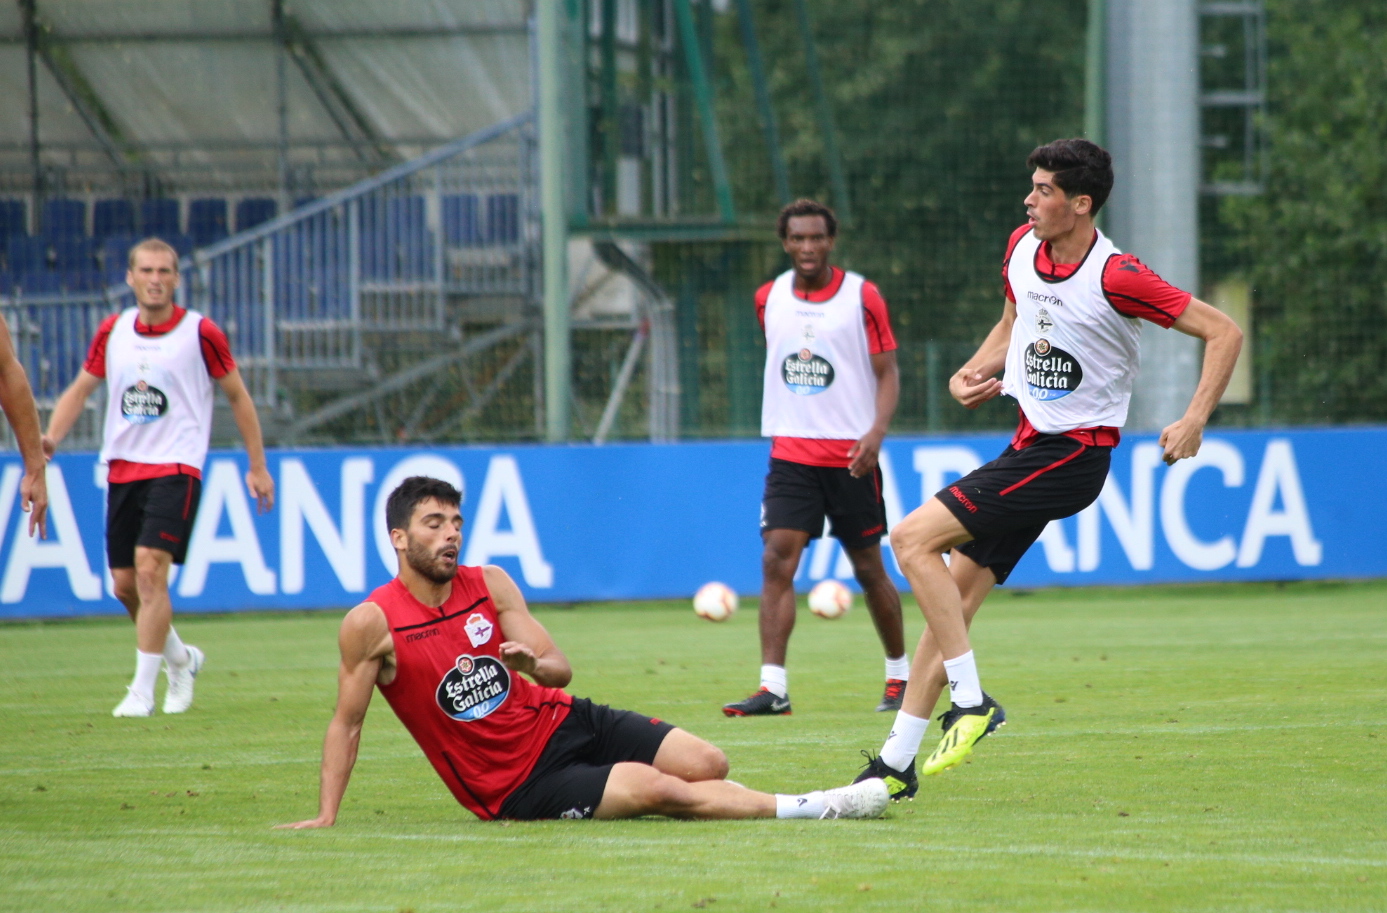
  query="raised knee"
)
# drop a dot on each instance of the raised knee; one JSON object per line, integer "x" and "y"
{"x": 711, "y": 764}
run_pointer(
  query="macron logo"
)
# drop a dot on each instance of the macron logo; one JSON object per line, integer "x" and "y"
{"x": 963, "y": 499}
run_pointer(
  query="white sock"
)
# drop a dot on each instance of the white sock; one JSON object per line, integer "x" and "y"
{"x": 175, "y": 654}
{"x": 898, "y": 668}
{"x": 774, "y": 680}
{"x": 904, "y": 741}
{"x": 146, "y": 674}
{"x": 809, "y": 805}
{"x": 964, "y": 688}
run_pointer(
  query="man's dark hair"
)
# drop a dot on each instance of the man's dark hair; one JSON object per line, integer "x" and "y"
{"x": 806, "y": 207}
{"x": 402, "y": 501}
{"x": 1081, "y": 168}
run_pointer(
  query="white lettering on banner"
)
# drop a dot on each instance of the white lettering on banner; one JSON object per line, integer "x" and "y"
{"x": 1058, "y": 553}
{"x": 1200, "y": 555}
{"x": 435, "y": 467}
{"x": 62, "y": 549}
{"x": 223, "y": 492}
{"x": 300, "y": 504}
{"x": 1279, "y": 474}
{"x": 9, "y": 490}
{"x": 503, "y": 488}
{"x": 936, "y": 464}
{"x": 1132, "y": 522}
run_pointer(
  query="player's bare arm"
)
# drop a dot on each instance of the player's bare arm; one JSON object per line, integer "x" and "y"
{"x": 367, "y": 656}
{"x": 1222, "y": 342}
{"x": 976, "y": 382}
{"x": 865, "y": 452}
{"x": 68, "y": 409}
{"x": 528, "y": 648}
{"x": 17, "y": 400}
{"x": 258, "y": 479}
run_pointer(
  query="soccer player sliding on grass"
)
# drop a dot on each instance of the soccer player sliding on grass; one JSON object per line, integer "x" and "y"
{"x": 1069, "y": 346}
{"x": 477, "y": 682}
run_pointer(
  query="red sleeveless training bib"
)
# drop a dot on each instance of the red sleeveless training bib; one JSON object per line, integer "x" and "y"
{"x": 482, "y": 726}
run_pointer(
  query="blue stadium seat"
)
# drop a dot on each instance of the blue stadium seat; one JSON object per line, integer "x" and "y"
{"x": 64, "y": 218}
{"x": 503, "y": 218}
{"x": 26, "y": 255}
{"x": 252, "y": 211}
{"x": 114, "y": 257}
{"x": 462, "y": 220}
{"x": 395, "y": 241}
{"x": 69, "y": 254}
{"x": 207, "y": 221}
{"x": 159, "y": 217}
{"x": 40, "y": 283}
{"x": 112, "y": 217}
{"x": 12, "y": 220}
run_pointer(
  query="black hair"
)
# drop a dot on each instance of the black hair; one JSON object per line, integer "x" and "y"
{"x": 805, "y": 207}
{"x": 399, "y": 507}
{"x": 1081, "y": 168}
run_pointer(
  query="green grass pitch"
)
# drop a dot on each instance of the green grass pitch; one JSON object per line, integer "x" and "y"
{"x": 1185, "y": 748}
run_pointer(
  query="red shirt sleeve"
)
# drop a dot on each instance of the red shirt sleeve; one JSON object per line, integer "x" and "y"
{"x": 763, "y": 294}
{"x": 216, "y": 350}
{"x": 1135, "y": 291}
{"x": 877, "y": 320}
{"x": 1011, "y": 246}
{"x": 96, "y": 355}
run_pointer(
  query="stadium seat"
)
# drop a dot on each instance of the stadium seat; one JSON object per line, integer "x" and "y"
{"x": 114, "y": 257}
{"x": 503, "y": 218}
{"x": 462, "y": 220}
{"x": 112, "y": 217}
{"x": 395, "y": 241}
{"x": 12, "y": 220}
{"x": 64, "y": 217}
{"x": 159, "y": 217}
{"x": 252, "y": 211}
{"x": 207, "y": 221}
{"x": 26, "y": 255}
{"x": 71, "y": 255}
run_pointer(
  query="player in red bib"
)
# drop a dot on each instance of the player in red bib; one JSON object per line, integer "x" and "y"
{"x": 160, "y": 363}
{"x": 477, "y": 681}
{"x": 830, "y": 389}
{"x": 1069, "y": 345}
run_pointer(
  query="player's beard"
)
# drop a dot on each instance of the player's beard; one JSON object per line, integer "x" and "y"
{"x": 429, "y": 564}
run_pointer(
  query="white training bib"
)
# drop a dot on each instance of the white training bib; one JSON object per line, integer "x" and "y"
{"x": 819, "y": 381}
{"x": 158, "y": 394}
{"x": 1072, "y": 357}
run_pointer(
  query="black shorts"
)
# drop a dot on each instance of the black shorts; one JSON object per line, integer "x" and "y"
{"x": 1005, "y": 504}
{"x": 799, "y": 497}
{"x": 155, "y": 513}
{"x": 571, "y": 774}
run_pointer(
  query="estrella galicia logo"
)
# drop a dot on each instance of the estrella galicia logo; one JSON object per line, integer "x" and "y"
{"x": 1051, "y": 372}
{"x": 473, "y": 688}
{"x": 143, "y": 403}
{"x": 806, "y": 373}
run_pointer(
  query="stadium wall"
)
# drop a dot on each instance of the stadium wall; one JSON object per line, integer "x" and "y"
{"x": 574, "y": 523}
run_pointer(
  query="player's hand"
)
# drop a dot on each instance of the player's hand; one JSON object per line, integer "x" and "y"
{"x": 260, "y": 484}
{"x": 518, "y": 657}
{"x": 50, "y": 447}
{"x": 33, "y": 497}
{"x": 304, "y": 825}
{"x": 864, "y": 454}
{"x": 972, "y": 388}
{"x": 1181, "y": 440}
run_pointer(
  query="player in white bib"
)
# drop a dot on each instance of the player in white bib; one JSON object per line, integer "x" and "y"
{"x": 1069, "y": 347}
{"x": 831, "y": 387}
{"x": 160, "y": 363}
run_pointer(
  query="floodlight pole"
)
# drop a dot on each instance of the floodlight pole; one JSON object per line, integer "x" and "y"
{"x": 554, "y": 221}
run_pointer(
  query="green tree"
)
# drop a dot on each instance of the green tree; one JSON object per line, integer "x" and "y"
{"x": 1315, "y": 243}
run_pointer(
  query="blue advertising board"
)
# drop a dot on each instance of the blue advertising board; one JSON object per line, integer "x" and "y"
{"x": 636, "y": 521}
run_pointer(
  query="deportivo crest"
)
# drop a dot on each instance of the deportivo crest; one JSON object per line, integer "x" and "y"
{"x": 1051, "y": 372}
{"x": 478, "y": 629}
{"x": 1043, "y": 323}
{"x": 473, "y": 688}
{"x": 806, "y": 373}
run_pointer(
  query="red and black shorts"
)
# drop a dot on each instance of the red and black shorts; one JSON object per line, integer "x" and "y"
{"x": 1006, "y": 503}
{"x": 155, "y": 513}
{"x": 571, "y": 774}
{"x": 799, "y": 496}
